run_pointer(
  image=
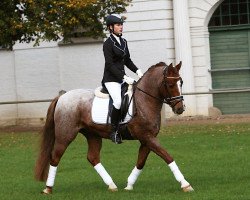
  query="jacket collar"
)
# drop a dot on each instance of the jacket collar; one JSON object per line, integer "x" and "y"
{"x": 121, "y": 46}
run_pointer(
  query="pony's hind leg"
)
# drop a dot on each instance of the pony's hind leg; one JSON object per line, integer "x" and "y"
{"x": 142, "y": 157}
{"x": 94, "y": 148}
{"x": 60, "y": 146}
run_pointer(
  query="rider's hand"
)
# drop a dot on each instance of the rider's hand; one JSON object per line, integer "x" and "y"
{"x": 139, "y": 73}
{"x": 128, "y": 80}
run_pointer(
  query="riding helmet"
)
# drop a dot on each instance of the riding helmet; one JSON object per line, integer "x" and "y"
{"x": 114, "y": 19}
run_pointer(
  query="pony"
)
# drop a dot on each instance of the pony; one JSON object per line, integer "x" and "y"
{"x": 70, "y": 114}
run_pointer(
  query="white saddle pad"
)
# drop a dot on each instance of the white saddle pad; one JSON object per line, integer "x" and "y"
{"x": 99, "y": 111}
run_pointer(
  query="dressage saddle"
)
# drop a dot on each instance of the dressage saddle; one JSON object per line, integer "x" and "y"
{"x": 125, "y": 101}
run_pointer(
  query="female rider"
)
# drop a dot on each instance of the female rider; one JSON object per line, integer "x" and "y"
{"x": 116, "y": 54}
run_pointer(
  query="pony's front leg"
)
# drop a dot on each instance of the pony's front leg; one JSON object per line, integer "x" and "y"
{"x": 94, "y": 148}
{"x": 186, "y": 187}
{"x": 142, "y": 157}
{"x": 154, "y": 145}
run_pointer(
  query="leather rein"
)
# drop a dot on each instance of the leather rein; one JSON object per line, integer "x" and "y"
{"x": 167, "y": 100}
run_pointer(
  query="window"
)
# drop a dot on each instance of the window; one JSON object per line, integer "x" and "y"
{"x": 231, "y": 12}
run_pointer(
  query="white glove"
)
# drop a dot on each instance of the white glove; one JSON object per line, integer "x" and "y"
{"x": 139, "y": 73}
{"x": 128, "y": 80}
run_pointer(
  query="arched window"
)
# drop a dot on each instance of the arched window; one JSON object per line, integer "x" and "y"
{"x": 230, "y": 13}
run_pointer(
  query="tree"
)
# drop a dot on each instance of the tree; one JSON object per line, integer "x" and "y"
{"x": 51, "y": 20}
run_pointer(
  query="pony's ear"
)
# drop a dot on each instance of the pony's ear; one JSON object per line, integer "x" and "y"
{"x": 178, "y": 67}
{"x": 171, "y": 65}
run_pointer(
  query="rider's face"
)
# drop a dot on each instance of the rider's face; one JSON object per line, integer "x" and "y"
{"x": 118, "y": 28}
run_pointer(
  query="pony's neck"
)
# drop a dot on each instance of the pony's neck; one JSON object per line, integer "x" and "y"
{"x": 150, "y": 84}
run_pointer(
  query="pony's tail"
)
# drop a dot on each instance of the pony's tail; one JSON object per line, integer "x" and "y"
{"x": 47, "y": 144}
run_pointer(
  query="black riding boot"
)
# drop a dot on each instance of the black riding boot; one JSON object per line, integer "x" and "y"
{"x": 115, "y": 118}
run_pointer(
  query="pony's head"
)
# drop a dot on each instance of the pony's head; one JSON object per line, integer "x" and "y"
{"x": 170, "y": 90}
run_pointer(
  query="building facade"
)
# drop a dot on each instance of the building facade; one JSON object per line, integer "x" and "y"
{"x": 210, "y": 37}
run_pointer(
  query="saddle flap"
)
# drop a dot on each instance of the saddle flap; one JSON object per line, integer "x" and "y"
{"x": 100, "y": 110}
{"x": 126, "y": 93}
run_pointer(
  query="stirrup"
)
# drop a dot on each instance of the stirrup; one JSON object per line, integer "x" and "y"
{"x": 116, "y": 138}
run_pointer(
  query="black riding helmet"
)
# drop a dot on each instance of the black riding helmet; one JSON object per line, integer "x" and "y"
{"x": 114, "y": 19}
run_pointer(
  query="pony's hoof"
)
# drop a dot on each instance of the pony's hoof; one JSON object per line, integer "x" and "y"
{"x": 47, "y": 191}
{"x": 188, "y": 189}
{"x": 128, "y": 188}
{"x": 113, "y": 188}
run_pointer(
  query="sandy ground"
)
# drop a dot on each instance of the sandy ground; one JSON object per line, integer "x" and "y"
{"x": 237, "y": 118}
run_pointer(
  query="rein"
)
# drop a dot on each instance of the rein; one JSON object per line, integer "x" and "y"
{"x": 167, "y": 100}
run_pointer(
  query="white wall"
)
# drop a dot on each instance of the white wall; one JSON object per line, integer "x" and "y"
{"x": 8, "y": 87}
{"x": 149, "y": 31}
{"x": 39, "y": 73}
{"x": 81, "y": 66}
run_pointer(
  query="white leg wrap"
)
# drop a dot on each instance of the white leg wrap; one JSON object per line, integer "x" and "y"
{"x": 178, "y": 175}
{"x": 105, "y": 176}
{"x": 132, "y": 178}
{"x": 51, "y": 176}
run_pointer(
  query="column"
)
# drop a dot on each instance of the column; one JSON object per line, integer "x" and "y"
{"x": 183, "y": 52}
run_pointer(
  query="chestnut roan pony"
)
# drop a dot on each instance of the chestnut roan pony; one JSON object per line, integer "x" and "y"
{"x": 70, "y": 114}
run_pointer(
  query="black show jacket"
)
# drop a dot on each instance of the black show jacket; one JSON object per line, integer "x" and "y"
{"x": 116, "y": 56}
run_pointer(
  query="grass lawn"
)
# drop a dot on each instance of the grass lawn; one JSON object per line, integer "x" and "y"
{"x": 214, "y": 158}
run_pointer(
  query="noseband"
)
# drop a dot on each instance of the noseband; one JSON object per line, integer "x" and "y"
{"x": 168, "y": 100}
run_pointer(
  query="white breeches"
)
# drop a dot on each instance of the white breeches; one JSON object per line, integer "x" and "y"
{"x": 114, "y": 90}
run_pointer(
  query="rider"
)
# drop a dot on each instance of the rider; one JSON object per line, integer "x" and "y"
{"x": 116, "y": 54}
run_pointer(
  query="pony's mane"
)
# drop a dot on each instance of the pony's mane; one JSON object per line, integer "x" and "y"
{"x": 160, "y": 64}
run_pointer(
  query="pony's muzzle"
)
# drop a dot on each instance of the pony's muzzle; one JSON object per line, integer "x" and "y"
{"x": 179, "y": 108}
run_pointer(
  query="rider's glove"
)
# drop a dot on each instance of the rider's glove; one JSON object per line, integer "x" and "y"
{"x": 128, "y": 80}
{"x": 139, "y": 73}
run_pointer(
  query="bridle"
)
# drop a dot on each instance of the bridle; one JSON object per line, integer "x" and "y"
{"x": 168, "y": 100}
